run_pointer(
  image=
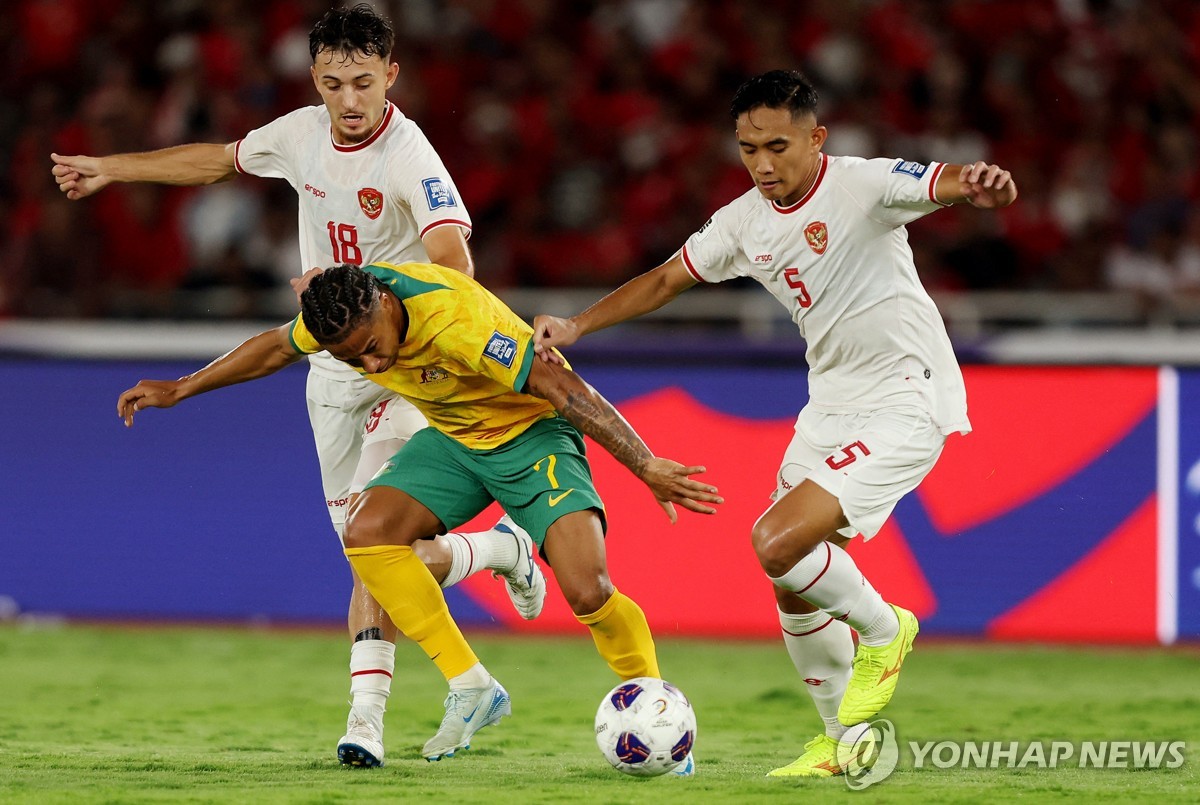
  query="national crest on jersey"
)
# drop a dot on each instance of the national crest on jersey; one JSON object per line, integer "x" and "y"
{"x": 816, "y": 235}
{"x": 371, "y": 202}
{"x": 432, "y": 374}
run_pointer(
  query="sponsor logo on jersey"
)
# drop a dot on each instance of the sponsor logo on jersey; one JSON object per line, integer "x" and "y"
{"x": 438, "y": 193}
{"x": 432, "y": 374}
{"x": 501, "y": 349}
{"x": 817, "y": 235}
{"x": 913, "y": 169}
{"x": 371, "y": 201}
{"x": 763, "y": 258}
{"x": 315, "y": 191}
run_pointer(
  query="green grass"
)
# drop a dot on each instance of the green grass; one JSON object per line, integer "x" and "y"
{"x": 104, "y": 714}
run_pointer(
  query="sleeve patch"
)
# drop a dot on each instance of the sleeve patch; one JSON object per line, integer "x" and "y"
{"x": 438, "y": 193}
{"x": 501, "y": 349}
{"x": 913, "y": 169}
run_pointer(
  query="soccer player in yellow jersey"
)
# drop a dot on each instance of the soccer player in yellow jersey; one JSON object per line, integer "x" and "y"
{"x": 502, "y": 426}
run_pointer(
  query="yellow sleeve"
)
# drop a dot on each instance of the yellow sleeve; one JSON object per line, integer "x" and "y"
{"x": 301, "y": 339}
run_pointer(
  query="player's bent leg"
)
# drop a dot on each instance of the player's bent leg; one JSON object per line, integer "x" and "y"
{"x": 794, "y": 526}
{"x": 574, "y": 546}
{"x": 827, "y": 577}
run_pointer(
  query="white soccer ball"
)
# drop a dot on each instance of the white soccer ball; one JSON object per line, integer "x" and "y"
{"x": 645, "y": 727}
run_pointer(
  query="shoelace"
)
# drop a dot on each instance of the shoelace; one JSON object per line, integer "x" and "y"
{"x": 359, "y": 724}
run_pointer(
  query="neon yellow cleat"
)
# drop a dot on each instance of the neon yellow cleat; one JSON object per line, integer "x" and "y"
{"x": 876, "y": 671}
{"x": 819, "y": 760}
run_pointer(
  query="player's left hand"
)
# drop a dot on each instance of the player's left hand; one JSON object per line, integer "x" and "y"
{"x": 301, "y": 282}
{"x": 987, "y": 186}
{"x": 671, "y": 483}
{"x": 147, "y": 394}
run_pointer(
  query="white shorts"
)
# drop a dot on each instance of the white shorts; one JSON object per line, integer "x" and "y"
{"x": 357, "y": 426}
{"x": 868, "y": 461}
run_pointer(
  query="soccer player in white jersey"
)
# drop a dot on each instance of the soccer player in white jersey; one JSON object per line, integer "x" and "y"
{"x": 825, "y": 235}
{"x": 371, "y": 189}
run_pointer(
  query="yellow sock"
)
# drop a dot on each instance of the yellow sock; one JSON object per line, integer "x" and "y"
{"x": 623, "y": 637}
{"x": 406, "y": 590}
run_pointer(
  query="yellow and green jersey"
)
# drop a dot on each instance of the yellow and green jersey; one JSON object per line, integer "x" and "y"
{"x": 463, "y": 360}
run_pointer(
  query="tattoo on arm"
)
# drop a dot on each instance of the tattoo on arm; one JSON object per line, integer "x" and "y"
{"x": 587, "y": 410}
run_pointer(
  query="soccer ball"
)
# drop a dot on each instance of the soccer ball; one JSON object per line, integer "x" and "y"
{"x": 645, "y": 727}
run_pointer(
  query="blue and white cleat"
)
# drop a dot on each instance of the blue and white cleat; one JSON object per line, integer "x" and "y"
{"x": 525, "y": 582}
{"x": 685, "y": 769}
{"x": 467, "y": 712}
{"x": 362, "y": 745}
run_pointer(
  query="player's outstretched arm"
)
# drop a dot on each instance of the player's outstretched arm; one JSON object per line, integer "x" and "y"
{"x": 194, "y": 164}
{"x": 264, "y": 354}
{"x": 639, "y": 296}
{"x": 586, "y": 409}
{"x": 979, "y": 184}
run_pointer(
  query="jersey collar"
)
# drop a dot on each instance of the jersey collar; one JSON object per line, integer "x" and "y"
{"x": 779, "y": 208}
{"x": 375, "y": 135}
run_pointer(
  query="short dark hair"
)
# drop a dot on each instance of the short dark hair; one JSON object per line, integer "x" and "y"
{"x": 352, "y": 30}
{"x": 337, "y": 301}
{"x": 778, "y": 89}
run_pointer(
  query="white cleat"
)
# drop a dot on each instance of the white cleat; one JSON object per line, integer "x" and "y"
{"x": 467, "y": 712}
{"x": 362, "y": 745}
{"x": 525, "y": 582}
{"x": 685, "y": 769}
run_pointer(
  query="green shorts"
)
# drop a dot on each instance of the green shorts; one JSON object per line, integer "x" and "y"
{"x": 537, "y": 477}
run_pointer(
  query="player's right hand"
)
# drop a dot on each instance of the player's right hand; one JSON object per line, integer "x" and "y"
{"x": 78, "y": 176}
{"x": 147, "y": 394}
{"x": 552, "y": 331}
{"x": 671, "y": 483}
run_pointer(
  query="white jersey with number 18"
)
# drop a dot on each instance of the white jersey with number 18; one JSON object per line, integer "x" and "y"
{"x": 365, "y": 203}
{"x": 839, "y": 261}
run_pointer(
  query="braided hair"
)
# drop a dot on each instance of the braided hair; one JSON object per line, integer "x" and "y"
{"x": 337, "y": 301}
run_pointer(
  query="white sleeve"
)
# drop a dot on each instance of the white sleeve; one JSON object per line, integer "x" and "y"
{"x": 713, "y": 253}
{"x": 269, "y": 151}
{"x": 421, "y": 182}
{"x": 899, "y": 192}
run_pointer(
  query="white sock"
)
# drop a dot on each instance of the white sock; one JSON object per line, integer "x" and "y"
{"x": 828, "y": 578}
{"x": 821, "y": 648}
{"x": 482, "y": 550}
{"x": 474, "y": 677}
{"x": 371, "y": 665}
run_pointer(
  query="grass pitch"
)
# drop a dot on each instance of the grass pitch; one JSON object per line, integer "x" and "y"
{"x": 105, "y": 714}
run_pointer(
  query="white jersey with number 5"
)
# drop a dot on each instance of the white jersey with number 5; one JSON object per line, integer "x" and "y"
{"x": 359, "y": 204}
{"x": 839, "y": 261}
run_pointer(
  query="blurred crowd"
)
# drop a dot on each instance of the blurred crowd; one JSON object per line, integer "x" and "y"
{"x": 590, "y": 138}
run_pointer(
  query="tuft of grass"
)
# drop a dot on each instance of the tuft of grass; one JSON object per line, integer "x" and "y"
{"x": 99, "y": 714}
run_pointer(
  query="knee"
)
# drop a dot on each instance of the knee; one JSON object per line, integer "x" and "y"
{"x": 588, "y": 598}
{"x": 366, "y": 527}
{"x": 779, "y": 546}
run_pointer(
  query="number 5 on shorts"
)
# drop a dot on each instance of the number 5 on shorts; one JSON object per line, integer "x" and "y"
{"x": 850, "y": 457}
